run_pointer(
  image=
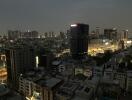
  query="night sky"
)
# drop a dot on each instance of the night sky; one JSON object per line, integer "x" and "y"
{"x": 57, "y": 15}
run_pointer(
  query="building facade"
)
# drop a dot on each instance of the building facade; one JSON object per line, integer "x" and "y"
{"x": 79, "y": 40}
{"x": 111, "y": 34}
{"x": 12, "y": 35}
{"x": 19, "y": 60}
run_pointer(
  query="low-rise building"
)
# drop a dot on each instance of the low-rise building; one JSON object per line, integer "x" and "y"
{"x": 67, "y": 91}
{"x": 121, "y": 77}
{"x": 83, "y": 93}
{"x": 129, "y": 81}
{"x": 37, "y": 86}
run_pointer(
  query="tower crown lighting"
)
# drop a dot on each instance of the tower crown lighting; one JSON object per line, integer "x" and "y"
{"x": 73, "y": 25}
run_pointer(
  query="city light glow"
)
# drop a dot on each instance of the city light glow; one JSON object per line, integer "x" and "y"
{"x": 73, "y": 25}
{"x": 37, "y": 61}
{"x": 128, "y": 42}
{"x": 106, "y": 43}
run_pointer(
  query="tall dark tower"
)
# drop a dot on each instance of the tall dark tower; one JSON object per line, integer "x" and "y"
{"x": 19, "y": 60}
{"x": 111, "y": 34}
{"x": 79, "y": 40}
{"x": 125, "y": 34}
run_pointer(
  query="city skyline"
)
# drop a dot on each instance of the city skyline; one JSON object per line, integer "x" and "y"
{"x": 49, "y": 15}
{"x": 65, "y": 50}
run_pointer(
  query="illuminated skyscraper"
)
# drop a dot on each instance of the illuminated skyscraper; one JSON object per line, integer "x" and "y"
{"x": 79, "y": 40}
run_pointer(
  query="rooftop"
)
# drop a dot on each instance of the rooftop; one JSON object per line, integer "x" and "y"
{"x": 129, "y": 73}
{"x": 51, "y": 82}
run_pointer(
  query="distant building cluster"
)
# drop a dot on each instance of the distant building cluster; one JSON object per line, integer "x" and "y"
{"x": 76, "y": 65}
{"x": 12, "y": 35}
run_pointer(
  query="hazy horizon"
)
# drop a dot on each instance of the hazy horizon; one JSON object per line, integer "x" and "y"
{"x": 57, "y": 15}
